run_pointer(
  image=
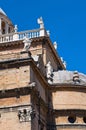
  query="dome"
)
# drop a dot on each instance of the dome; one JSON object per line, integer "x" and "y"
{"x": 1, "y": 11}
{"x": 64, "y": 76}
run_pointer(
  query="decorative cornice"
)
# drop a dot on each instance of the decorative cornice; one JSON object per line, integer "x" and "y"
{"x": 43, "y": 40}
{"x": 11, "y": 43}
{"x": 66, "y": 86}
{"x": 13, "y": 108}
{"x": 69, "y": 111}
{"x": 16, "y": 92}
{"x": 68, "y": 126}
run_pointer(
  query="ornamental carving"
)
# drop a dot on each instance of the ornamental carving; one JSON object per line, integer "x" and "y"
{"x": 26, "y": 114}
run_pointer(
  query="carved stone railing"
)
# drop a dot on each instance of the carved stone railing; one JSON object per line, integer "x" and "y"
{"x": 21, "y": 35}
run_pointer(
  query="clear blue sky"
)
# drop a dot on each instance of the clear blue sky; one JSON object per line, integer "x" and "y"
{"x": 66, "y": 20}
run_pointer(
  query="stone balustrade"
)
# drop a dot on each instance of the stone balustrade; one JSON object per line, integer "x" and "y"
{"x": 21, "y": 35}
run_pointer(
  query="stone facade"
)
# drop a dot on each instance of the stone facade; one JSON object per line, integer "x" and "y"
{"x": 36, "y": 91}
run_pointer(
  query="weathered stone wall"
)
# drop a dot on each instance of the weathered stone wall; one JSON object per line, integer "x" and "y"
{"x": 64, "y": 120}
{"x": 14, "y": 101}
{"x": 9, "y": 113}
{"x": 39, "y": 87}
{"x": 70, "y": 106}
{"x": 49, "y": 56}
{"x": 36, "y": 48}
{"x": 11, "y": 48}
{"x": 9, "y": 121}
{"x": 67, "y": 99}
{"x": 14, "y": 77}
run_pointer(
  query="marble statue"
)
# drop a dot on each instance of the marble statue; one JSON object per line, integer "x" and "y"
{"x": 48, "y": 32}
{"x": 40, "y": 22}
{"x": 55, "y": 45}
{"x": 49, "y": 70}
{"x": 65, "y": 64}
{"x": 27, "y": 43}
{"x": 15, "y": 28}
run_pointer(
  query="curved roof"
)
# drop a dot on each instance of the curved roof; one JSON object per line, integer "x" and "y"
{"x": 5, "y": 17}
{"x": 1, "y": 11}
{"x": 64, "y": 76}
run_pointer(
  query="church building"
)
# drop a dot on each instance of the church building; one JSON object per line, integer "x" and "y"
{"x": 36, "y": 90}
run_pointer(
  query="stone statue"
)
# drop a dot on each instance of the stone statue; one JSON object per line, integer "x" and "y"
{"x": 62, "y": 59}
{"x": 48, "y": 32}
{"x": 40, "y": 22}
{"x": 16, "y": 35}
{"x": 15, "y": 29}
{"x": 49, "y": 70}
{"x": 65, "y": 64}
{"x": 55, "y": 45}
{"x": 27, "y": 43}
{"x": 76, "y": 77}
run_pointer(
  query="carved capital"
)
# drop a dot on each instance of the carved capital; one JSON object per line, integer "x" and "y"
{"x": 26, "y": 114}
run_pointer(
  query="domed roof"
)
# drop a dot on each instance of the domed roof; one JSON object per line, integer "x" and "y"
{"x": 65, "y": 76}
{"x": 5, "y": 18}
{"x": 1, "y": 11}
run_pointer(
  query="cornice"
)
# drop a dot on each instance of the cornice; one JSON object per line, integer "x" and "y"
{"x": 69, "y": 111}
{"x": 45, "y": 40}
{"x": 5, "y": 44}
{"x": 55, "y": 53}
{"x": 15, "y": 92}
{"x": 42, "y": 39}
{"x": 65, "y": 86}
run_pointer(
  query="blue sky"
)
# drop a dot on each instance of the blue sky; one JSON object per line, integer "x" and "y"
{"x": 66, "y": 20}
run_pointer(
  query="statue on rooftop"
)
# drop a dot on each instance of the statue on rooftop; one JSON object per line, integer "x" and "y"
{"x": 65, "y": 64}
{"x": 40, "y": 22}
{"x": 55, "y": 45}
{"x": 15, "y": 29}
{"x": 76, "y": 78}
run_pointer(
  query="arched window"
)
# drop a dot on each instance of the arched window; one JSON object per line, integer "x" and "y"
{"x": 3, "y": 27}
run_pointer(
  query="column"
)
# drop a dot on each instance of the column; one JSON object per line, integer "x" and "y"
{"x": 6, "y": 28}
